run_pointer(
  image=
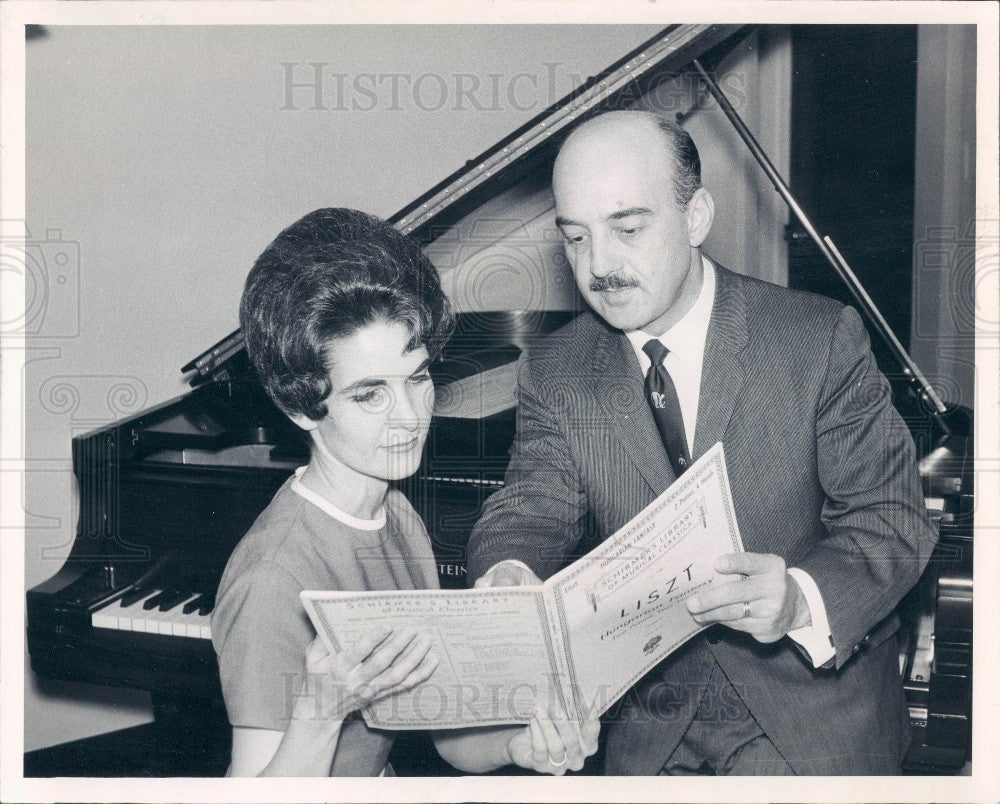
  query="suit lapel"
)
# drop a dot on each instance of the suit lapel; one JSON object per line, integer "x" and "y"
{"x": 723, "y": 373}
{"x": 622, "y": 398}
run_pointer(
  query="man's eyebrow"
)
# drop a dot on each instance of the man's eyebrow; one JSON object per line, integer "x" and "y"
{"x": 628, "y": 213}
{"x": 614, "y": 216}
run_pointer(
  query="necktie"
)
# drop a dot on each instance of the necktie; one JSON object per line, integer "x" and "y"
{"x": 662, "y": 398}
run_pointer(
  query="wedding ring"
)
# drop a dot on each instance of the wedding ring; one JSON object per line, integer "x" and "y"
{"x": 559, "y": 764}
{"x": 746, "y": 609}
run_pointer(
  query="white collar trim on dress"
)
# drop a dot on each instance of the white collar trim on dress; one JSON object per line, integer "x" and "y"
{"x": 340, "y": 515}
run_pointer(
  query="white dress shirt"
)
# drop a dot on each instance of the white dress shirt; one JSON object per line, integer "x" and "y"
{"x": 685, "y": 342}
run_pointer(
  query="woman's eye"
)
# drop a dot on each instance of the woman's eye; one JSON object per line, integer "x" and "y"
{"x": 373, "y": 398}
{"x": 573, "y": 239}
{"x": 422, "y": 377}
{"x": 628, "y": 232}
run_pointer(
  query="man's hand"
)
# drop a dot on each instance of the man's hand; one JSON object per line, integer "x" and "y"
{"x": 508, "y": 573}
{"x": 763, "y": 590}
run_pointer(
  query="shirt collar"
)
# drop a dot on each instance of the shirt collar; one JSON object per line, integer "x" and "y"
{"x": 686, "y": 339}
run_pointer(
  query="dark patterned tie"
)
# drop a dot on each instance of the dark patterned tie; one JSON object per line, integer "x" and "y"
{"x": 662, "y": 398}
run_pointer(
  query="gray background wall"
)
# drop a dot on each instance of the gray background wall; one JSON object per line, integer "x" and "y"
{"x": 945, "y": 313}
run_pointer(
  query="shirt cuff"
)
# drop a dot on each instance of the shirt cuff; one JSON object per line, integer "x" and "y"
{"x": 515, "y": 562}
{"x": 815, "y": 639}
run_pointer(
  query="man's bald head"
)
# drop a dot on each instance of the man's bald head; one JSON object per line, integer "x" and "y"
{"x": 663, "y": 145}
{"x": 633, "y": 215}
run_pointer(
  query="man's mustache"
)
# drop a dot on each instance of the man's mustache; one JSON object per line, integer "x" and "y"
{"x": 612, "y": 282}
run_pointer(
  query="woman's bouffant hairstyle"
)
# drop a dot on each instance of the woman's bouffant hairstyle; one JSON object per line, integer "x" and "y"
{"x": 324, "y": 277}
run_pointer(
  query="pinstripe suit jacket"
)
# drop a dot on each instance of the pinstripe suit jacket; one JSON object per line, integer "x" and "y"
{"x": 822, "y": 472}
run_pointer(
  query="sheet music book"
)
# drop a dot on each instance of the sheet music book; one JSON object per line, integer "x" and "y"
{"x": 584, "y": 637}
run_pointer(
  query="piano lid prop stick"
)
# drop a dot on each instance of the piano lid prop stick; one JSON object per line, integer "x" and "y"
{"x": 910, "y": 368}
{"x": 829, "y": 251}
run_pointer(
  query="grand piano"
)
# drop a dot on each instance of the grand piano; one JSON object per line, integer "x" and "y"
{"x": 165, "y": 495}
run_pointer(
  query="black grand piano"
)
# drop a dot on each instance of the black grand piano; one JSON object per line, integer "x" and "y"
{"x": 165, "y": 495}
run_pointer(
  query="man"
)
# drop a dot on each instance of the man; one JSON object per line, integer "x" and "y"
{"x": 799, "y": 673}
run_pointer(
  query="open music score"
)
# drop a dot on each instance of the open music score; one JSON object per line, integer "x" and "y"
{"x": 586, "y": 635}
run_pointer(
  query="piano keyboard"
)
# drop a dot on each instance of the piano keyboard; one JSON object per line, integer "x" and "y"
{"x": 158, "y": 611}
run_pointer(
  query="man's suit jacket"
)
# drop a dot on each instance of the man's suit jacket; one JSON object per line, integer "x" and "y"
{"x": 822, "y": 472}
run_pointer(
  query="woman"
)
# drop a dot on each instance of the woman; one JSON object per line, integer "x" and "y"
{"x": 342, "y": 316}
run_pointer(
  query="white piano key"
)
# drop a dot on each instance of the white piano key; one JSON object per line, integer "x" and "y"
{"x": 152, "y": 621}
{"x": 199, "y": 625}
{"x": 99, "y": 619}
{"x": 168, "y": 620}
{"x": 137, "y": 614}
{"x": 141, "y": 618}
{"x": 161, "y": 620}
{"x": 188, "y": 624}
{"x": 173, "y": 622}
{"x": 176, "y": 623}
{"x": 134, "y": 617}
{"x": 117, "y": 616}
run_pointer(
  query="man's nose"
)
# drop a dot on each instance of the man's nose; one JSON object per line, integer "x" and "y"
{"x": 603, "y": 260}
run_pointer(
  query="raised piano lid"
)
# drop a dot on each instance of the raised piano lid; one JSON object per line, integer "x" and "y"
{"x": 491, "y": 220}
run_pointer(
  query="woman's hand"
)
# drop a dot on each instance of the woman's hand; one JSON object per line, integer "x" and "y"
{"x": 552, "y": 743}
{"x": 377, "y": 666}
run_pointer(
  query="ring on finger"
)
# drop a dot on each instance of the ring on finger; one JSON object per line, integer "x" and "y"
{"x": 746, "y": 609}
{"x": 561, "y": 762}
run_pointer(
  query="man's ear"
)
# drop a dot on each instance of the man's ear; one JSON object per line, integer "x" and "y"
{"x": 700, "y": 213}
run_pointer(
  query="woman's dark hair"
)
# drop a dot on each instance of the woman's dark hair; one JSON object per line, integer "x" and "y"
{"x": 324, "y": 277}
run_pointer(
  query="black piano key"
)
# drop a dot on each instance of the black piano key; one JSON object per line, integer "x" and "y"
{"x": 102, "y": 602}
{"x": 154, "y": 601}
{"x": 135, "y": 595}
{"x": 172, "y": 598}
{"x": 191, "y": 605}
{"x": 207, "y": 604}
